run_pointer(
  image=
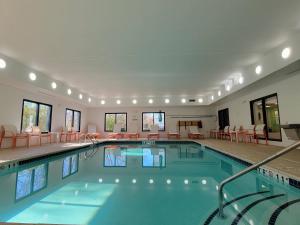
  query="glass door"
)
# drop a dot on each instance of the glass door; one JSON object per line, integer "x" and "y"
{"x": 272, "y": 118}
{"x": 265, "y": 110}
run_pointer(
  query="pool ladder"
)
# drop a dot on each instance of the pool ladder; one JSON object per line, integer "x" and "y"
{"x": 247, "y": 170}
{"x": 92, "y": 140}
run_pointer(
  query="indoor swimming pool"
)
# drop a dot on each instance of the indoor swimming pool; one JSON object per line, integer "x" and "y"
{"x": 143, "y": 184}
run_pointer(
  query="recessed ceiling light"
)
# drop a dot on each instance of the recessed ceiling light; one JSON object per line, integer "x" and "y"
{"x": 134, "y": 101}
{"x": 102, "y": 102}
{"x": 200, "y": 100}
{"x": 150, "y": 101}
{"x": 89, "y": 99}
{"x": 186, "y": 181}
{"x": 69, "y": 91}
{"x": 133, "y": 181}
{"x": 258, "y": 69}
{"x": 117, "y": 180}
{"x": 80, "y": 96}
{"x": 204, "y": 182}
{"x": 32, "y": 76}
{"x": 212, "y": 97}
{"x": 241, "y": 80}
{"x": 286, "y": 52}
{"x": 100, "y": 180}
{"x": 219, "y": 93}
{"x": 53, "y": 85}
{"x": 169, "y": 181}
{"x": 2, "y": 64}
{"x": 167, "y": 101}
{"x": 118, "y": 102}
{"x": 183, "y": 100}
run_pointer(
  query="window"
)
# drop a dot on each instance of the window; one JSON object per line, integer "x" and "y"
{"x": 115, "y": 157}
{"x": 31, "y": 180}
{"x": 153, "y": 118}
{"x": 73, "y": 119}
{"x": 70, "y": 166}
{"x": 115, "y": 118}
{"x": 36, "y": 114}
{"x": 266, "y": 111}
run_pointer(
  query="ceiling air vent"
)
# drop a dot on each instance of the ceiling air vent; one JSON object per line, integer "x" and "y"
{"x": 192, "y": 100}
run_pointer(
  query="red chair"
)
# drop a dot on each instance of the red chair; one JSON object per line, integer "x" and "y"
{"x": 153, "y": 135}
{"x": 35, "y": 132}
{"x": 10, "y": 132}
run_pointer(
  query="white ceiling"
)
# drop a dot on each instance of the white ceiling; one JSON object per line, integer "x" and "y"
{"x": 142, "y": 48}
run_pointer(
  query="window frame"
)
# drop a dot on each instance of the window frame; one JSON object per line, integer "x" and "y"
{"x": 153, "y": 121}
{"x": 115, "y": 113}
{"x": 37, "y": 113}
{"x": 263, "y": 100}
{"x": 73, "y": 112}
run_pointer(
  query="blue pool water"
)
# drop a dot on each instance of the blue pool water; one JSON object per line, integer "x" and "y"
{"x": 133, "y": 184}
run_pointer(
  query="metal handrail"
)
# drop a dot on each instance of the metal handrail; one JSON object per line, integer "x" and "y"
{"x": 87, "y": 137}
{"x": 247, "y": 170}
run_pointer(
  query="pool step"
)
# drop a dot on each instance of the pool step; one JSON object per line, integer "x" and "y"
{"x": 256, "y": 208}
{"x": 216, "y": 211}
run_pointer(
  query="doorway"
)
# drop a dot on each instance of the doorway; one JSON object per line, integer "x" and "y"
{"x": 223, "y": 116}
{"x": 265, "y": 110}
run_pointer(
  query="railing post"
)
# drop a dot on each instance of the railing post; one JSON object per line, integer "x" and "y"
{"x": 221, "y": 200}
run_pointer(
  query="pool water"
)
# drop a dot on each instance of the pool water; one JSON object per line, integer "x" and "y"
{"x": 134, "y": 184}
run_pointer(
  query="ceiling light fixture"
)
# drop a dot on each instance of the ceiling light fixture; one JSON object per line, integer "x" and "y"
{"x": 286, "y": 52}
{"x": 150, "y": 101}
{"x": 118, "y": 101}
{"x": 69, "y": 91}
{"x": 80, "y": 96}
{"x": 89, "y": 99}
{"x": 102, "y": 102}
{"x": 183, "y": 100}
{"x": 228, "y": 85}
{"x": 241, "y": 80}
{"x": 167, "y": 101}
{"x": 219, "y": 93}
{"x": 32, "y": 76}
{"x": 134, "y": 101}
{"x": 258, "y": 69}
{"x": 53, "y": 85}
{"x": 2, "y": 64}
{"x": 200, "y": 100}
{"x": 212, "y": 97}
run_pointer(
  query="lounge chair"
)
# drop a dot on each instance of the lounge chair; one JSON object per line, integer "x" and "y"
{"x": 215, "y": 133}
{"x": 10, "y": 132}
{"x": 154, "y": 133}
{"x": 194, "y": 133}
{"x": 92, "y": 132}
{"x": 69, "y": 133}
{"x": 117, "y": 132}
{"x": 229, "y": 132}
{"x": 260, "y": 132}
{"x": 250, "y": 133}
{"x": 173, "y": 133}
{"x": 35, "y": 131}
{"x": 133, "y": 134}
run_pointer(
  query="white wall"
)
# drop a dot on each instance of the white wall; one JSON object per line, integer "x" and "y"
{"x": 11, "y": 100}
{"x": 287, "y": 87}
{"x": 134, "y": 117}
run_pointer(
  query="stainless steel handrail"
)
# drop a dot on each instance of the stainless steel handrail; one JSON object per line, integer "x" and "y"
{"x": 247, "y": 170}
